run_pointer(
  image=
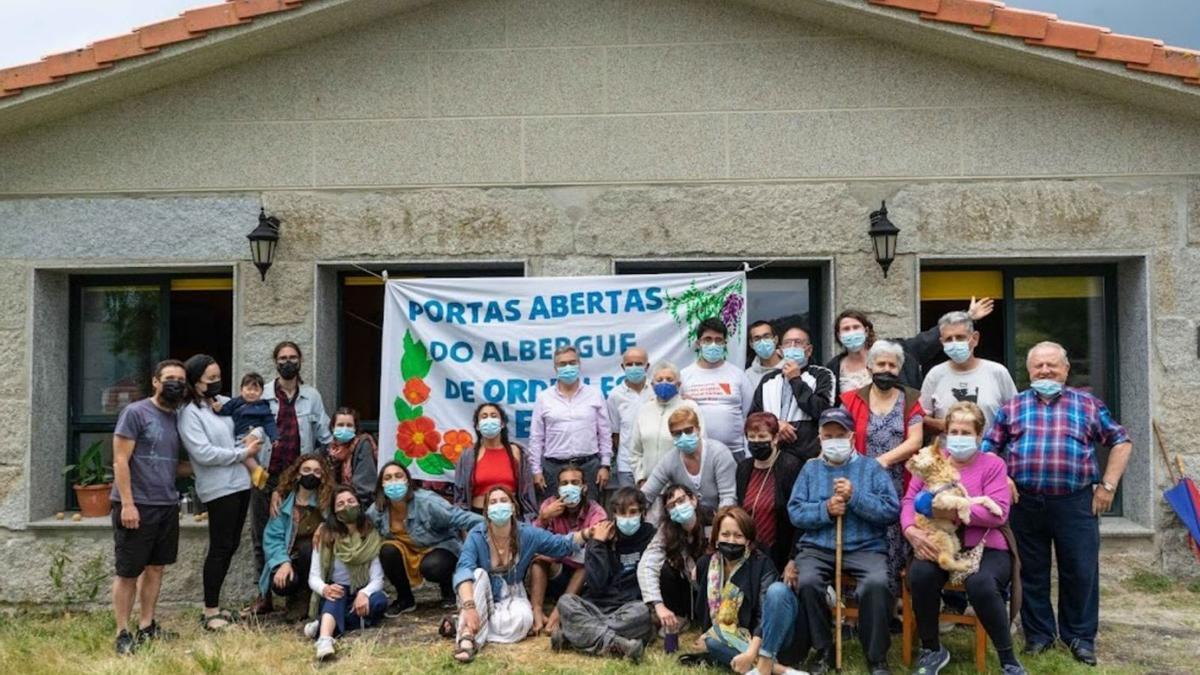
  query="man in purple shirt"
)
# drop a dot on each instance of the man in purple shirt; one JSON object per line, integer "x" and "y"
{"x": 1047, "y": 435}
{"x": 569, "y": 426}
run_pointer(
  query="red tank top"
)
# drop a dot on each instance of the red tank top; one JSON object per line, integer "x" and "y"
{"x": 493, "y": 468}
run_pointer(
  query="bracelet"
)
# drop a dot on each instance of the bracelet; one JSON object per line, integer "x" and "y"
{"x": 469, "y": 604}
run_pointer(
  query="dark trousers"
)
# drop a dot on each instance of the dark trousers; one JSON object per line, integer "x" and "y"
{"x": 590, "y": 466}
{"x": 678, "y": 595}
{"x": 985, "y": 592}
{"x": 437, "y": 566}
{"x": 1066, "y": 523}
{"x": 342, "y": 611}
{"x": 870, "y": 572}
{"x": 260, "y": 513}
{"x": 226, "y": 518}
{"x": 807, "y": 444}
{"x": 301, "y": 561}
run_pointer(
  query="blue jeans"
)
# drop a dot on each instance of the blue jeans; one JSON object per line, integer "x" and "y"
{"x": 780, "y": 609}
{"x": 1066, "y": 523}
{"x": 343, "y": 612}
{"x": 720, "y": 652}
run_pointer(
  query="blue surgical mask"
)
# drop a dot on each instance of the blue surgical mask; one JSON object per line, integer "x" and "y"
{"x": 635, "y": 374}
{"x": 343, "y": 434}
{"x": 961, "y": 448}
{"x": 712, "y": 353}
{"x": 568, "y": 374}
{"x": 958, "y": 352}
{"x": 396, "y": 490}
{"x": 570, "y": 494}
{"x": 687, "y": 443}
{"x": 853, "y": 340}
{"x": 1047, "y": 388}
{"x": 765, "y": 348}
{"x": 836, "y": 450}
{"x": 489, "y": 427}
{"x": 665, "y": 391}
{"x": 683, "y": 513}
{"x": 629, "y": 525}
{"x": 500, "y": 513}
{"x": 796, "y": 354}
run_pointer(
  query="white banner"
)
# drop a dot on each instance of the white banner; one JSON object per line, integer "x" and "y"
{"x": 451, "y": 344}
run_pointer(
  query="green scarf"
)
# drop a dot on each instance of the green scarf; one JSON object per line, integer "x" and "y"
{"x": 356, "y": 552}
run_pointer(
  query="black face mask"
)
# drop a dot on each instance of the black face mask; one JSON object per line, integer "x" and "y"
{"x": 310, "y": 481}
{"x": 288, "y": 369}
{"x": 885, "y": 381}
{"x": 172, "y": 392}
{"x": 212, "y": 389}
{"x": 731, "y": 551}
{"x": 759, "y": 450}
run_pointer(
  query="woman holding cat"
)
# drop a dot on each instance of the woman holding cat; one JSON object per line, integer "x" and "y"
{"x": 981, "y": 474}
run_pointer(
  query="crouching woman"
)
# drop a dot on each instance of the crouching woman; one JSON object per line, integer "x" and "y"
{"x": 345, "y": 573}
{"x": 490, "y": 576}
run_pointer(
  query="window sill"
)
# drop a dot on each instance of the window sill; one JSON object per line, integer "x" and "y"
{"x": 1118, "y": 527}
{"x": 102, "y": 523}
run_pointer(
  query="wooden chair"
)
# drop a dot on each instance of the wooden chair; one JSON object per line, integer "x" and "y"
{"x": 909, "y": 623}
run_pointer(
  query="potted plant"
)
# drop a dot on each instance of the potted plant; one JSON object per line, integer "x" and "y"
{"x": 93, "y": 482}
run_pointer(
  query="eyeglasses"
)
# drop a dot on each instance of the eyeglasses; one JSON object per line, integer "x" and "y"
{"x": 793, "y": 343}
{"x": 713, "y": 341}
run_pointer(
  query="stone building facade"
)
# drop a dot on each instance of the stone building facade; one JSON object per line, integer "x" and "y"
{"x": 575, "y": 138}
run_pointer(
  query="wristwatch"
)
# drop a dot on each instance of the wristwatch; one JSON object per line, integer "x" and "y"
{"x": 1108, "y": 486}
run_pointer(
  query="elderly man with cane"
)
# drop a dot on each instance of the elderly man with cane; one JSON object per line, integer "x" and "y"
{"x": 844, "y": 504}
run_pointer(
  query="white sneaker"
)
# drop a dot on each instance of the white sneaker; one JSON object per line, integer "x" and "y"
{"x": 324, "y": 648}
{"x": 311, "y": 628}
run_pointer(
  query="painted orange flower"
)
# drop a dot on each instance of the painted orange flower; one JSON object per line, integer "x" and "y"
{"x": 456, "y": 440}
{"x": 416, "y": 391}
{"x": 417, "y": 438}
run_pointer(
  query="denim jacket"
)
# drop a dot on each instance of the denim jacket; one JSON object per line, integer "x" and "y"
{"x": 531, "y": 541}
{"x": 431, "y": 522}
{"x": 278, "y": 537}
{"x": 310, "y": 415}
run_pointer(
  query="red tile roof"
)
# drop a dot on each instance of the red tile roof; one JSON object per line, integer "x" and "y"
{"x": 1046, "y": 30}
{"x": 192, "y": 24}
{"x": 985, "y": 16}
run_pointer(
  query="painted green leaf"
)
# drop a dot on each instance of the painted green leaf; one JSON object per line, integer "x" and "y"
{"x": 443, "y": 462}
{"x": 405, "y": 412}
{"x": 403, "y": 459}
{"x": 416, "y": 361}
{"x": 430, "y": 464}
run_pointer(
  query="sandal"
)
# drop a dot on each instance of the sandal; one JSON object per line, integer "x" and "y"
{"x": 465, "y": 654}
{"x": 206, "y": 622}
{"x": 448, "y": 627}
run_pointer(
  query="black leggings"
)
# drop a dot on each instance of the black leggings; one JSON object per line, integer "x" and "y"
{"x": 437, "y": 566}
{"x": 301, "y": 560}
{"x": 985, "y": 591}
{"x": 226, "y": 518}
{"x": 677, "y": 592}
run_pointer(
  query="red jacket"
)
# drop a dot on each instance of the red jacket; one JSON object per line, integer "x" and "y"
{"x": 858, "y": 404}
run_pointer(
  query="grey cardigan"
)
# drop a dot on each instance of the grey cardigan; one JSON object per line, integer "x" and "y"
{"x": 718, "y": 476}
{"x": 216, "y": 458}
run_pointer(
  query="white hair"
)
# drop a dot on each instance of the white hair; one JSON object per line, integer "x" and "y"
{"x": 664, "y": 365}
{"x": 1047, "y": 344}
{"x": 957, "y": 318}
{"x": 885, "y": 347}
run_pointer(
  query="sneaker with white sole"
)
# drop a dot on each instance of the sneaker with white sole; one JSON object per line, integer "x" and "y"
{"x": 311, "y": 628}
{"x": 324, "y": 648}
{"x": 931, "y": 662}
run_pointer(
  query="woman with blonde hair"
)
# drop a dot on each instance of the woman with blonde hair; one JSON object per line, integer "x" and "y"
{"x": 703, "y": 464}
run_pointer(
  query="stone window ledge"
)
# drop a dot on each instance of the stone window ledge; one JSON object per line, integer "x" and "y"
{"x": 1124, "y": 528}
{"x": 102, "y": 523}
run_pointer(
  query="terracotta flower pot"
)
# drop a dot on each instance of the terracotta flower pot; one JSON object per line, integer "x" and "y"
{"x": 94, "y": 500}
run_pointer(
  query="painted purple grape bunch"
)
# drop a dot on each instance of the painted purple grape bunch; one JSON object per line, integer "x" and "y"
{"x": 731, "y": 311}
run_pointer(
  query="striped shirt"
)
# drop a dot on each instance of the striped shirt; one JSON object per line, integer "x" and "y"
{"x": 1049, "y": 445}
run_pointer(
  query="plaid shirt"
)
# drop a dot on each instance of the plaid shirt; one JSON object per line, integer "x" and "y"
{"x": 286, "y": 448}
{"x": 1049, "y": 444}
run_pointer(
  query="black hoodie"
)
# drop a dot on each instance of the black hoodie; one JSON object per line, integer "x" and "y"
{"x": 610, "y": 569}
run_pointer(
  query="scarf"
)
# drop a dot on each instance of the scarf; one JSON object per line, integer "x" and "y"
{"x": 357, "y": 553}
{"x": 724, "y": 601}
{"x": 342, "y": 455}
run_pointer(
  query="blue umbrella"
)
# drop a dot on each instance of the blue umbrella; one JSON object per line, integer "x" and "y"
{"x": 1184, "y": 497}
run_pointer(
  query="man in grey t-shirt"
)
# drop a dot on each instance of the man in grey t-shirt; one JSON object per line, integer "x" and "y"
{"x": 145, "y": 516}
{"x": 965, "y": 377}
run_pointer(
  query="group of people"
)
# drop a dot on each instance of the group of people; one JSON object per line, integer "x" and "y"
{"x": 706, "y": 496}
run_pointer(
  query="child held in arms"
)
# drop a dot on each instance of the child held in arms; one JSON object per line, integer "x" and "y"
{"x": 250, "y": 412}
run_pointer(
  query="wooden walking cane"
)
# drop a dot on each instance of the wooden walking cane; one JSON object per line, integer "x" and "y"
{"x": 837, "y": 602}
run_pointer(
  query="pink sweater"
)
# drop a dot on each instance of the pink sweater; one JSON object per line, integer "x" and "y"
{"x": 987, "y": 474}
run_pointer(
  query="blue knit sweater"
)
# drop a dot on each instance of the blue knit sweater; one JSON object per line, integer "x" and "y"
{"x": 873, "y": 505}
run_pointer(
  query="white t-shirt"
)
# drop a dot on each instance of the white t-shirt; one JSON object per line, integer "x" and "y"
{"x": 724, "y": 395}
{"x": 988, "y": 385}
{"x": 623, "y": 406}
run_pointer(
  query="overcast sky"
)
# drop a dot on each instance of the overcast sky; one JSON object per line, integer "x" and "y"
{"x": 31, "y": 29}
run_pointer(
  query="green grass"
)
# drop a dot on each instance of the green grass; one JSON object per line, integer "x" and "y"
{"x": 83, "y": 643}
{"x": 1147, "y": 581}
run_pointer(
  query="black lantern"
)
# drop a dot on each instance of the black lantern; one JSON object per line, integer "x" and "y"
{"x": 262, "y": 242}
{"x": 883, "y": 237}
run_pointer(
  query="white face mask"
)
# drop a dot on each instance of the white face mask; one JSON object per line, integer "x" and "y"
{"x": 961, "y": 448}
{"x": 836, "y": 450}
